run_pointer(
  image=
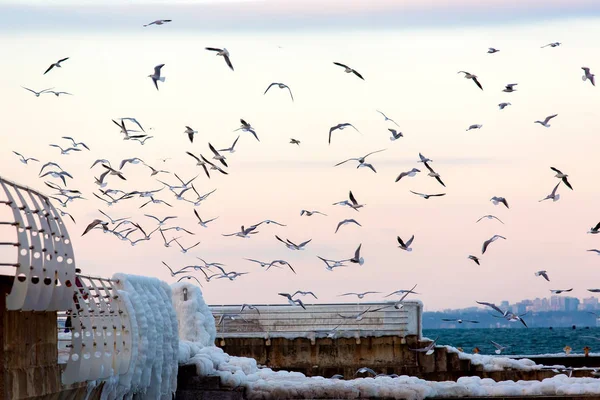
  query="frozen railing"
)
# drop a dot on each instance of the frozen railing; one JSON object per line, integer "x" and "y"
{"x": 319, "y": 320}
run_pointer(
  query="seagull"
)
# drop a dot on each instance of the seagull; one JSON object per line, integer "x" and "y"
{"x": 424, "y": 159}
{"x": 497, "y": 200}
{"x": 301, "y": 293}
{"x": 156, "y": 76}
{"x": 398, "y": 305}
{"x": 291, "y": 245}
{"x": 402, "y": 292}
{"x": 346, "y": 221}
{"x": 268, "y": 222}
{"x": 25, "y": 160}
{"x": 499, "y": 347}
{"x": 281, "y": 86}
{"x": 588, "y": 75}
{"x": 203, "y": 162}
{"x": 489, "y": 216}
{"x": 292, "y": 301}
{"x": 473, "y": 77}
{"x": 410, "y": 173}
{"x": 348, "y": 70}
{"x": 341, "y": 127}
{"x": 232, "y": 148}
{"x": 217, "y": 156}
{"x": 595, "y": 251}
{"x": 504, "y": 105}
{"x": 56, "y": 174}
{"x": 545, "y": 121}
{"x": 222, "y": 52}
{"x": 357, "y": 259}
{"x": 426, "y": 196}
{"x": 490, "y": 240}
{"x": 562, "y": 176}
{"x": 161, "y": 222}
{"x": 190, "y": 132}
{"x": 281, "y": 262}
{"x": 133, "y": 160}
{"x": 113, "y": 221}
{"x": 365, "y": 369}
{"x": 361, "y": 160}
{"x": 174, "y": 273}
{"x": 76, "y": 144}
{"x": 93, "y": 224}
{"x": 554, "y": 196}
{"x": 249, "y": 307}
{"x": 559, "y": 291}
{"x": 244, "y": 232}
{"x": 543, "y": 274}
{"x": 405, "y": 246}
{"x": 429, "y": 349}
{"x": 352, "y": 203}
{"x": 135, "y": 121}
{"x": 56, "y": 64}
{"x": 158, "y": 22}
{"x": 460, "y": 321}
{"x": 359, "y": 316}
{"x": 388, "y": 119}
{"x": 310, "y": 213}
{"x": 114, "y": 172}
{"x": 594, "y": 230}
{"x": 294, "y": 141}
{"x": 475, "y": 259}
{"x": 555, "y": 44}
{"x": 510, "y": 88}
{"x": 37, "y": 94}
{"x": 474, "y": 126}
{"x": 261, "y": 263}
{"x": 434, "y": 174}
{"x": 359, "y": 295}
{"x": 57, "y": 94}
{"x": 155, "y": 171}
{"x": 65, "y": 151}
{"x": 185, "y": 249}
{"x": 203, "y": 224}
{"x": 492, "y": 50}
{"x": 395, "y": 134}
{"x": 331, "y": 264}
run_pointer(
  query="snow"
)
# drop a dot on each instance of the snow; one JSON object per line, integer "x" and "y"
{"x": 155, "y": 346}
{"x": 496, "y": 363}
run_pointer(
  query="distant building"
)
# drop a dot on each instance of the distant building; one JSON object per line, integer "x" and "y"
{"x": 571, "y": 303}
{"x": 590, "y": 304}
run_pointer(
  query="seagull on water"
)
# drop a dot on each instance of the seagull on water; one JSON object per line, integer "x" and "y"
{"x": 56, "y": 64}
{"x": 475, "y": 259}
{"x": 25, "y": 160}
{"x": 190, "y": 132}
{"x": 497, "y": 200}
{"x": 542, "y": 273}
{"x": 489, "y": 241}
{"x": 545, "y": 121}
{"x": 588, "y": 76}
{"x": 156, "y": 76}
{"x": 158, "y": 22}
{"x": 489, "y": 216}
{"x": 492, "y": 50}
{"x": 426, "y": 196}
{"x": 349, "y": 70}
{"x": 37, "y": 94}
{"x": 504, "y": 105}
{"x": 387, "y": 119}
{"x": 472, "y": 77}
{"x": 510, "y": 88}
{"x": 341, "y": 127}
{"x": 405, "y": 246}
{"x": 410, "y": 173}
{"x": 346, "y": 221}
{"x": 281, "y": 86}
{"x": 474, "y": 126}
{"x": 223, "y": 53}
{"x": 554, "y": 196}
{"x": 562, "y": 177}
{"x": 395, "y": 134}
{"x": 352, "y": 203}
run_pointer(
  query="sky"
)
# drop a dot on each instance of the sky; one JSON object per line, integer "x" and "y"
{"x": 410, "y": 73}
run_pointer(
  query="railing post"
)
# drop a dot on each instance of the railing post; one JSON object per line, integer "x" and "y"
{"x": 185, "y": 296}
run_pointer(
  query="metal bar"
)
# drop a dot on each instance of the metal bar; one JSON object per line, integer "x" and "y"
{"x": 98, "y": 278}
{"x": 26, "y": 188}
{"x": 9, "y": 244}
{"x": 9, "y": 265}
{"x": 9, "y": 223}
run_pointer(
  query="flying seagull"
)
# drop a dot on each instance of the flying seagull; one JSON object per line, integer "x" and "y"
{"x": 217, "y": 156}
{"x": 156, "y": 76}
{"x": 357, "y": 259}
{"x": 359, "y": 295}
{"x": 489, "y": 216}
{"x": 292, "y": 301}
{"x": 395, "y": 134}
{"x": 56, "y": 64}
{"x": 37, "y": 94}
{"x": 232, "y": 148}
{"x": 429, "y": 349}
{"x": 341, "y": 126}
{"x": 57, "y": 94}
{"x": 283, "y": 262}
{"x": 190, "y": 132}
{"x": 222, "y": 52}
{"x": 301, "y": 293}
{"x": 281, "y": 86}
{"x": 202, "y": 223}
{"x": 503, "y": 105}
{"x": 497, "y": 200}
{"x": 543, "y": 274}
{"x": 346, "y": 221}
{"x": 559, "y": 291}
{"x": 426, "y": 196}
{"x": 352, "y": 203}
{"x": 434, "y": 174}
{"x": 76, "y": 144}
{"x": 65, "y": 151}
{"x": 25, "y": 160}
{"x": 510, "y": 88}
{"x": 93, "y": 224}
{"x": 158, "y": 22}
{"x": 553, "y": 195}
{"x": 347, "y": 69}
{"x": 387, "y": 119}
{"x": 310, "y": 213}
{"x": 595, "y": 251}
{"x": 291, "y": 245}
{"x": 492, "y": 50}
{"x": 562, "y": 177}
{"x": 410, "y": 173}
{"x": 294, "y": 141}
{"x": 361, "y": 160}
{"x": 489, "y": 241}
{"x": 474, "y": 126}
{"x": 475, "y": 259}
{"x": 545, "y": 121}
{"x": 588, "y": 76}
{"x": 424, "y": 159}
{"x": 405, "y": 246}
{"x": 554, "y": 44}
{"x": 460, "y": 321}
{"x": 594, "y": 230}
{"x": 472, "y": 77}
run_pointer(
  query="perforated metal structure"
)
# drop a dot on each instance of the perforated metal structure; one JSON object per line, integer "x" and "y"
{"x": 45, "y": 263}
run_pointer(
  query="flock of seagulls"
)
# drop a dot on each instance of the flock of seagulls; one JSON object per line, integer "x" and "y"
{"x": 130, "y": 229}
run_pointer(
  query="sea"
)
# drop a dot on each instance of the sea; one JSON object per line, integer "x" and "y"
{"x": 530, "y": 341}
